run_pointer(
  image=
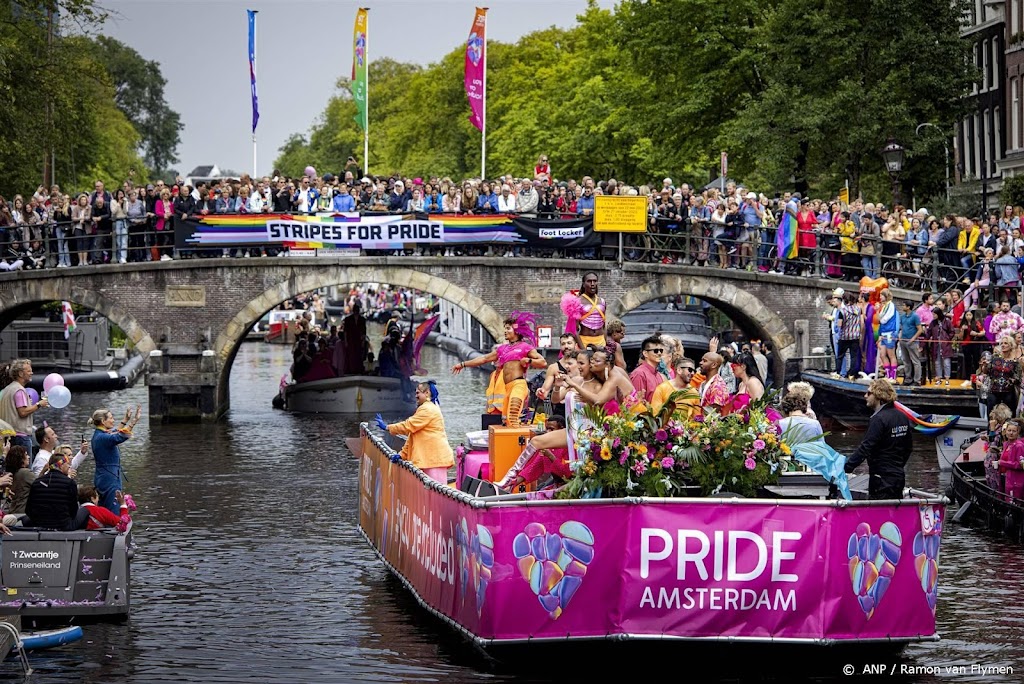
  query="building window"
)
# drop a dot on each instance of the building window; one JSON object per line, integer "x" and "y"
{"x": 994, "y": 151}
{"x": 986, "y": 67}
{"x": 1015, "y": 113}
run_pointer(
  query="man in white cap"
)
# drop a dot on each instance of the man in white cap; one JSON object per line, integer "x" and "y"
{"x": 835, "y": 300}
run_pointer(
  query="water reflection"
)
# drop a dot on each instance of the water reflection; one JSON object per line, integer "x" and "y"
{"x": 250, "y": 569}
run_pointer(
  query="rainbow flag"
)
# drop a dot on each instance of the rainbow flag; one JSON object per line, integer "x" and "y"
{"x": 419, "y": 338}
{"x": 786, "y": 238}
{"x": 927, "y": 425}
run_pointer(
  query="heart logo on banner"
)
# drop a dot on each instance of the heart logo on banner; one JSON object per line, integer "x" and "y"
{"x": 476, "y": 558}
{"x": 873, "y": 561}
{"x": 926, "y": 552}
{"x": 554, "y": 563}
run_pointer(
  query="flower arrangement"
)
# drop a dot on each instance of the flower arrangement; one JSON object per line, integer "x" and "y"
{"x": 667, "y": 456}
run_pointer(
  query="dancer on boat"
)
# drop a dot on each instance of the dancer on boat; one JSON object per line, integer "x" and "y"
{"x": 105, "y": 441}
{"x": 585, "y": 312}
{"x": 514, "y": 357}
{"x": 427, "y": 446}
{"x": 598, "y": 384}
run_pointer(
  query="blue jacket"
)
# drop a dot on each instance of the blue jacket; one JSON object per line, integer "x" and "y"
{"x": 487, "y": 202}
{"x": 344, "y": 202}
{"x": 108, "y": 466}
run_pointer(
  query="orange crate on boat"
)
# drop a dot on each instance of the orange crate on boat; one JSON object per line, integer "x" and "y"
{"x": 504, "y": 444}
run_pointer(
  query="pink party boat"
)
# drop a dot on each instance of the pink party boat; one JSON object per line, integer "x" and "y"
{"x": 515, "y": 570}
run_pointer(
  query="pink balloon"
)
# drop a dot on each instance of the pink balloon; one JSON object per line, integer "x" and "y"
{"x": 52, "y": 380}
{"x": 311, "y": 172}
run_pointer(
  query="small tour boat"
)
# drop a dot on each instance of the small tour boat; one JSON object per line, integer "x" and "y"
{"x": 280, "y": 325}
{"x": 86, "y": 573}
{"x": 515, "y": 573}
{"x": 982, "y": 506}
{"x": 348, "y": 394}
{"x": 842, "y": 399}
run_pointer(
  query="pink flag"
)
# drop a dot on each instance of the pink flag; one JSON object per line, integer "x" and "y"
{"x": 476, "y": 64}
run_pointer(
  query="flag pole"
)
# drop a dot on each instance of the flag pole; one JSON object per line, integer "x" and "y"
{"x": 483, "y": 118}
{"x": 366, "y": 96}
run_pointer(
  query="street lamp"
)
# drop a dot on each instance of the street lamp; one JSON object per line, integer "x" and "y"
{"x": 893, "y": 154}
{"x": 945, "y": 147}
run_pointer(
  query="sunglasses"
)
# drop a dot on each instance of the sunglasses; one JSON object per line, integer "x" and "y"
{"x": 687, "y": 368}
{"x": 656, "y": 351}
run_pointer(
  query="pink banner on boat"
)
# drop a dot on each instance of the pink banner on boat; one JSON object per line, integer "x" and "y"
{"x": 476, "y": 63}
{"x": 686, "y": 569}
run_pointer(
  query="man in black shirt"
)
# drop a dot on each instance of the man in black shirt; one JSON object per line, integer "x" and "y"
{"x": 53, "y": 498}
{"x": 887, "y": 443}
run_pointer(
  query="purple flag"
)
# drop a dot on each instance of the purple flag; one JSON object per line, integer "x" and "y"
{"x": 252, "y": 68}
{"x": 476, "y": 62}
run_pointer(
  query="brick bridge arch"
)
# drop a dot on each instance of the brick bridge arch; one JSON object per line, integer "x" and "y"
{"x": 230, "y": 338}
{"x": 731, "y": 297}
{"x": 14, "y": 303}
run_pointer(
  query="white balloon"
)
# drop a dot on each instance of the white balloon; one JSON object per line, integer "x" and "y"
{"x": 59, "y": 396}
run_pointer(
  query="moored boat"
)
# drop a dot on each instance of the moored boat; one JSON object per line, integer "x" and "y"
{"x": 982, "y": 506}
{"x": 85, "y": 573}
{"x": 82, "y": 356}
{"x": 348, "y": 394}
{"x": 842, "y": 399}
{"x": 514, "y": 571}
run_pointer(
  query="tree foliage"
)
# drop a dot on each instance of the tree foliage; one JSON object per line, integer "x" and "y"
{"x": 800, "y": 93}
{"x": 60, "y": 98}
{"x": 139, "y": 92}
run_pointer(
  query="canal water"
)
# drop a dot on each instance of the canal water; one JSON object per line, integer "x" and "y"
{"x": 249, "y": 567}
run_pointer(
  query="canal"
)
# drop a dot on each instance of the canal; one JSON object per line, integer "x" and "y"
{"x": 249, "y": 567}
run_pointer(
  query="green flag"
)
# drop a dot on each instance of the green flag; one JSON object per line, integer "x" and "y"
{"x": 359, "y": 65}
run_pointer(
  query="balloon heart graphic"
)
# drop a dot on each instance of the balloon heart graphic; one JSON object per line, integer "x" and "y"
{"x": 554, "y": 563}
{"x": 476, "y": 558}
{"x": 926, "y": 562}
{"x": 873, "y": 561}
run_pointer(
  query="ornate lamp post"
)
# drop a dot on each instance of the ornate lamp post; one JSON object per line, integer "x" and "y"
{"x": 893, "y": 154}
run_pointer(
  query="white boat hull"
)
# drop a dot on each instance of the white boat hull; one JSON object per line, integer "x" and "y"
{"x": 353, "y": 395}
{"x": 949, "y": 444}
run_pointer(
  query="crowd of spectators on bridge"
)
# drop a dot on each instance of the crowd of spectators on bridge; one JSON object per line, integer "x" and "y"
{"x": 723, "y": 226}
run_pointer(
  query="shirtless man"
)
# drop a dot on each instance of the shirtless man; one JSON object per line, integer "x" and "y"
{"x": 514, "y": 357}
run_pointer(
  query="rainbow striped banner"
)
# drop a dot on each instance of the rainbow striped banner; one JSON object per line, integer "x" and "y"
{"x": 217, "y": 231}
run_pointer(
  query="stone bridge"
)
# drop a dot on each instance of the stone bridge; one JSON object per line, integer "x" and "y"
{"x": 197, "y": 312}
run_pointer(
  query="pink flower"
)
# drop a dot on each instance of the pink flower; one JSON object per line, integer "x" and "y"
{"x": 668, "y": 462}
{"x": 122, "y": 524}
{"x": 624, "y": 457}
{"x": 660, "y": 436}
{"x": 130, "y": 502}
{"x": 750, "y": 463}
{"x": 640, "y": 467}
{"x": 758, "y": 444}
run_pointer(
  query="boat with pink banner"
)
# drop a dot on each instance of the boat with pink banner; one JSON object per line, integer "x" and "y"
{"x": 799, "y": 569}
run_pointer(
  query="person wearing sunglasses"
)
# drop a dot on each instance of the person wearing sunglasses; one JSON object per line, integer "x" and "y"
{"x": 645, "y": 377}
{"x": 684, "y": 398}
{"x": 887, "y": 443}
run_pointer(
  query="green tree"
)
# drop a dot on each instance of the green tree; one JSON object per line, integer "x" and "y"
{"x": 139, "y": 92}
{"x": 57, "y": 101}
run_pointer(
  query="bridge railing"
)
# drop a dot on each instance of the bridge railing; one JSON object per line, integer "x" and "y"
{"x": 688, "y": 242}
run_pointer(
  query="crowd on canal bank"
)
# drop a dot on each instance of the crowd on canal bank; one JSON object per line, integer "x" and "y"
{"x": 719, "y": 226}
{"x": 38, "y": 485}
